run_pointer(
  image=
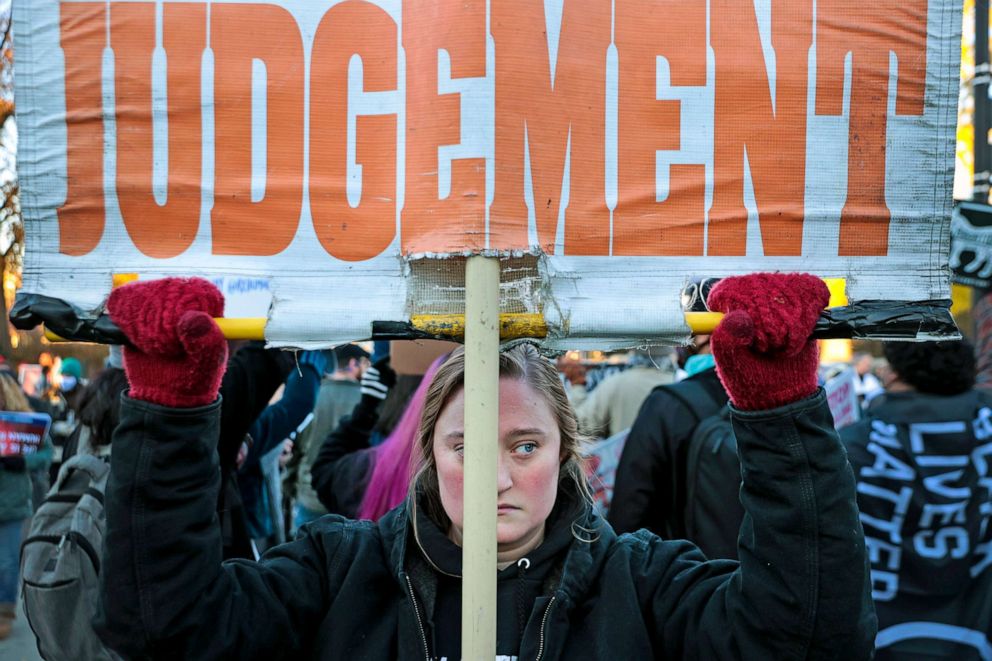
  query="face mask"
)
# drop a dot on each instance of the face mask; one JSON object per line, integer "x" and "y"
{"x": 698, "y": 363}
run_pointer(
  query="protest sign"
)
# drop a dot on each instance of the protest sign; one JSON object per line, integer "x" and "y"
{"x": 22, "y": 433}
{"x": 602, "y": 461}
{"x": 32, "y": 379}
{"x": 609, "y": 152}
{"x": 843, "y": 398}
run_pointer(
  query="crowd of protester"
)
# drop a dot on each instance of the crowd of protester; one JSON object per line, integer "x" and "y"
{"x": 812, "y": 541}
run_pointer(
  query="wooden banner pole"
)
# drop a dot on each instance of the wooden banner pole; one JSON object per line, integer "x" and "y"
{"x": 481, "y": 457}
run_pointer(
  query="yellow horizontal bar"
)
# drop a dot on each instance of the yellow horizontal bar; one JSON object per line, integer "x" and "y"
{"x": 121, "y": 279}
{"x": 243, "y": 328}
{"x": 704, "y": 323}
{"x": 838, "y": 292}
{"x": 512, "y": 326}
{"x": 52, "y": 337}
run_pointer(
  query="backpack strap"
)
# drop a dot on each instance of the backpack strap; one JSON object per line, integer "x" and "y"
{"x": 712, "y": 511}
{"x": 84, "y": 445}
{"x": 698, "y": 400}
{"x": 95, "y": 468}
{"x": 697, "y": 443}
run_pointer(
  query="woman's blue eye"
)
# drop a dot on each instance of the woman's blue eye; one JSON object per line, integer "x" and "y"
{"x": 527, "y": 448}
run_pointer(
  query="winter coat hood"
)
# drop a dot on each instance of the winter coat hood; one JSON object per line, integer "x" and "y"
{"x": 571, "y": 578}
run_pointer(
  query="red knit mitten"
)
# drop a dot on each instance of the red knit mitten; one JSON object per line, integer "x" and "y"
{"x": 177, "y": 354}
{"x": 764, "y": 354}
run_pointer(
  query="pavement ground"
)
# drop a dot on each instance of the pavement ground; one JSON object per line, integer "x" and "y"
{"x": 20, "y": 646}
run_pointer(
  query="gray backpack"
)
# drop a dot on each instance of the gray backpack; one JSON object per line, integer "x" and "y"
{"x": 60, "y": 563}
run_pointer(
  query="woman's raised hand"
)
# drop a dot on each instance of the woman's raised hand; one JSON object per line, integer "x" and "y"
{"x": 764, "y": 353}
{"x": 176, "y": 354}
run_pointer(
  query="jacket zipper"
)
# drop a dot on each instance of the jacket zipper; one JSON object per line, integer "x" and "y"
{"x": 420, "y": 623}
{"x": 544, "y": 622}
{"x": 423, "y": 634}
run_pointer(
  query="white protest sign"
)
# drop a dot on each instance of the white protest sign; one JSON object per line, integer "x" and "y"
{"x": 842, "y": 398}
{"x": 617, "y": 150}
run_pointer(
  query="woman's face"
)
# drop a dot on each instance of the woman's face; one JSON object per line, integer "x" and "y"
{"x": 529, "y": 460}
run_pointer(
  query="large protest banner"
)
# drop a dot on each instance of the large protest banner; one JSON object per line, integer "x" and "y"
{"x": 610, "y": 150}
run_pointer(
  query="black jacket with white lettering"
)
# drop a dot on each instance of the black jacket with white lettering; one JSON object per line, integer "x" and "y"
{"x": 356, "y": 590}
{"x": 925, "y": 492}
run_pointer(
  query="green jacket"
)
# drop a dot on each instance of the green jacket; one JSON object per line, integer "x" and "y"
{"x": 15, "y": 486}
{"x": 361, "y": 590}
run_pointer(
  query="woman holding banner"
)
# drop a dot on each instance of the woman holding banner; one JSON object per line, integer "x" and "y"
{"x": 568, "y": 587}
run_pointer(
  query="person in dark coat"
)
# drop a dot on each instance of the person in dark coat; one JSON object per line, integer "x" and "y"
{"x": 340, "y": 389}
{"x": 362, "y": 481}
{"x": 274, "y": 427}
{"x": 568, "y": 586}
{"x": 252, "y": 377}
{"x": 16, "y": 504}
{"x": 922, "y": 458}
{"x": 650, "y": 485}
{"x": 99, "y": 413}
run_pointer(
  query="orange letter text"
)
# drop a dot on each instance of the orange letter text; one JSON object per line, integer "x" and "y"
{"x": 456, "y": 223}
{"x": 169, "y": 229}
{"x": 239, "y": 34}
{"x": 363, "y": 232}
{"x": 869, "y": 31}
{"x": 642, "y": 225}
{"x": 572, "y": 108}
{"x": 83, "y": 38}
{"x": 771, "y": 133}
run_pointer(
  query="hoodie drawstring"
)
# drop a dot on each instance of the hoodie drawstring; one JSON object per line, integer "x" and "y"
{"x": 523, "y": 564}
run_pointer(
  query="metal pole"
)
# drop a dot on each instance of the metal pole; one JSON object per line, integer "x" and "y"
{"x": 980, "y": 90}
{"x": 481, "y": 457}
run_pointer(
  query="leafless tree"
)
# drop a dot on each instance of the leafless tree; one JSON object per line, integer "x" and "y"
{"x": 11, "y": 225}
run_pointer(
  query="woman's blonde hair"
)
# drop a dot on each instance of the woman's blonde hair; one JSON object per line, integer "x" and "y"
{"x": 12, "y": 398}
{"x": 524, "y": 363}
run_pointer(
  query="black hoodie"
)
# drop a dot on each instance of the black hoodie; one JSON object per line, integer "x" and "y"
{"x": 517, "y": 586}
{"x": 925, "y": 492}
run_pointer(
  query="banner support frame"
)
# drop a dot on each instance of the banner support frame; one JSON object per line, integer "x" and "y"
{"x": 482, "y": 275}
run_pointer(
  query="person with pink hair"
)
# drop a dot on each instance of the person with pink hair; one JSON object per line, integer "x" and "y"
{"x": 358, "y": 481}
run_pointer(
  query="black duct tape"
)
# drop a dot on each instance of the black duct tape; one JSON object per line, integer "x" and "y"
{"x": 400, "y": 330}
{"x": 65, "y": 320}
{"x": 889, "y": 320}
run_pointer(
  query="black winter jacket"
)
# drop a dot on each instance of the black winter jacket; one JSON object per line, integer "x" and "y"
{"x": 924, "y": 469}
{"x": 356, "y": 590}
{"x": 650, "y": 487}
{"x": 253, "y": 375}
